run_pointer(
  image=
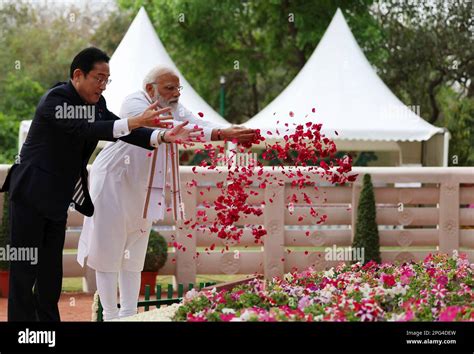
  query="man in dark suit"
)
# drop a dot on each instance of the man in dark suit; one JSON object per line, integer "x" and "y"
{"x": 51, "y": 176}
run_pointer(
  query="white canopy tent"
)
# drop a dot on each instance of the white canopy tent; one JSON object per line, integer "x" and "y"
{"x": 349, "y": 97}
{"x": 139, "y": 51}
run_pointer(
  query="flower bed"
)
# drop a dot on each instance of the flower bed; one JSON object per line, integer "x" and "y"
{"x": 436, "y": 289}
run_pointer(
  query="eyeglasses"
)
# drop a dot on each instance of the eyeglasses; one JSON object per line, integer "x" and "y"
{"x": 171, "y": 88}
{"x": 101, "y": 81}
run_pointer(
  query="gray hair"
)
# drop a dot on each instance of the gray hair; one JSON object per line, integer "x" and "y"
{"x": 155, "y": 73}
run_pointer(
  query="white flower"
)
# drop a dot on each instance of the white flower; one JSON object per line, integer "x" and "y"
{"x": 227, "y": 311}
{"x": 329, "y": 273}
{"x": 191, "y": 294}
{"x": 245, "y": 316}
{"x": 163, "y": 314}
{"x": 95, "y": 307}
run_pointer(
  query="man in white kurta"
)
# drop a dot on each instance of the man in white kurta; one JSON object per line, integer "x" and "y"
{"x": 127, "y": 189}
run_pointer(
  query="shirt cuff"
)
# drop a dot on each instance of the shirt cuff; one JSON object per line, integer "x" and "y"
{"x": 154, "y": 138}
{"x": 207, "y": 133}
{"x": 120, "y": 128}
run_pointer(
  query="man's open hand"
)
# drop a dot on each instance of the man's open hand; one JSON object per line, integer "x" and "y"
{"x": 152, "y": 118}
{"x": 239, "y": 133}
{"x": 179, "y": 134}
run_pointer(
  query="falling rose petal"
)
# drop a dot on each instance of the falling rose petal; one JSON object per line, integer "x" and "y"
{"x": 292, "y": 114}
{"x": 313, "y": 110}
{"x": 336, "y": 132}
{"x": 149, "y": 154}
{"x": 200, "y": 114}
{"x": 311, "y": 147}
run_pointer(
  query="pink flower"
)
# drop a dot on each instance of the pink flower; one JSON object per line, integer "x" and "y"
{"x": 442, "y": 280}
{"x": 449, "y": 314}
{"x": 439, "y": 291}
{"x": 404, "y": 279}
{"x": 196, "y": 318}
{"x": 304, "y": 302}
{"x": 408, "y": 315}
{"x": 227, "y": 317}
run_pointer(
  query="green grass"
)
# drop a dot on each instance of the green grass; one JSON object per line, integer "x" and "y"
{"x": 71, "y": 285}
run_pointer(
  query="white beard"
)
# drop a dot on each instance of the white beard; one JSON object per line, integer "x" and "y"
{"x": 165, "y": 103}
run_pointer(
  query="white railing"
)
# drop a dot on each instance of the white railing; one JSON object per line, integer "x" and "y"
{"x": 419, "y": 210}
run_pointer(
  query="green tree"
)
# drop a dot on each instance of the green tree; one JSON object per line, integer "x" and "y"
{"x": 457, "y": 114}
{"x": 366, "y": 232}
{"x": 428, "y": 45}
{"x": 8, "y": 138}
{"x": 19, "y": 96}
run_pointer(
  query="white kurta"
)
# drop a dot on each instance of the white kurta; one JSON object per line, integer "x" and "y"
{"x": 116, "y": 236}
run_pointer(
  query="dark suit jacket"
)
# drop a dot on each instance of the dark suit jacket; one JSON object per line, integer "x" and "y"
{"x": 51, "y": 173}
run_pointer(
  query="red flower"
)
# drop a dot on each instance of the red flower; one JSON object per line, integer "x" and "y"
{"x": 388, "y": 280}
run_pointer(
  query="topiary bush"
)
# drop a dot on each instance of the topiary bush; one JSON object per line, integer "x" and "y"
{"x": 366, "y": 232}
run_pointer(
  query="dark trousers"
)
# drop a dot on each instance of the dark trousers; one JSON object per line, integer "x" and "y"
{"x": 35, "y": 288}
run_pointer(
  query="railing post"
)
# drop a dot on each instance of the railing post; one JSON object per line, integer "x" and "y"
{"x": 449, "y": 216}
{"x": 186, "y": 262}
{"x": 274, "y": 222}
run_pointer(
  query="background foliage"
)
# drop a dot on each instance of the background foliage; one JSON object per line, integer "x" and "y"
{"x": 423, "y": 50}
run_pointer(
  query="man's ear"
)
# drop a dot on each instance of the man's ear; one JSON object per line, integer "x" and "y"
{"x": 76, "y": 74}
{"x": 149, "y": 89}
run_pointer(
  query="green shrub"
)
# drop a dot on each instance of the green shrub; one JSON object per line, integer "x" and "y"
{"x": 156, "y": 253}
{"x": 366, "y": 233}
